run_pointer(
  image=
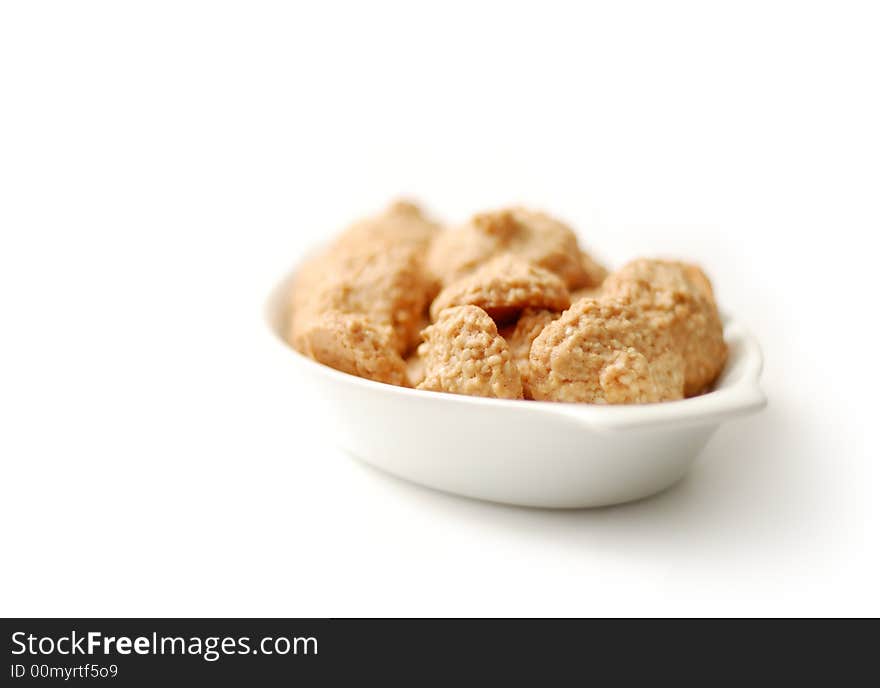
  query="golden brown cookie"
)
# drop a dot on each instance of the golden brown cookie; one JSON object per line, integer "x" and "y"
{"x": 401, "y": 222}
{"x": 677, "y": 298}
{"x": 534, "y": 236}
{"x": 464, "y": 354}
{"x": 520, "y": 337}
{"x": 602, "y": 351}
{"x": 504, "y": 286}
{"x": 350, "y": 343}
{"x": 375, "y": 269}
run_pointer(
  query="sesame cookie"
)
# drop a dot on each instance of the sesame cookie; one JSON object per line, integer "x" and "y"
{"x": 375, "y": 269}
{"x": 504, "y": 286}
{"x": 350, "y": 343}
{"x": 401, "y": 222}
{"x": 602, "y": 351}
{"x": 534, "y": 236}
{"x": 677, "y": 298}
{"x": 464, "y": 354}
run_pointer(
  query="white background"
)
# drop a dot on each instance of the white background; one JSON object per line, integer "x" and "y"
{"x": 161, "y": 163}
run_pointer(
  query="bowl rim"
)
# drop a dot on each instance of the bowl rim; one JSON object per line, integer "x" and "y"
{"x": 737, "y": 391}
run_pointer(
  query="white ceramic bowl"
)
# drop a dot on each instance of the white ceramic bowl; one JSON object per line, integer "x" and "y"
{"x": 530, "y": 453}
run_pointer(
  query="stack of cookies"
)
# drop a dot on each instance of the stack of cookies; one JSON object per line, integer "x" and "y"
{"x": 507, "y": 305}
